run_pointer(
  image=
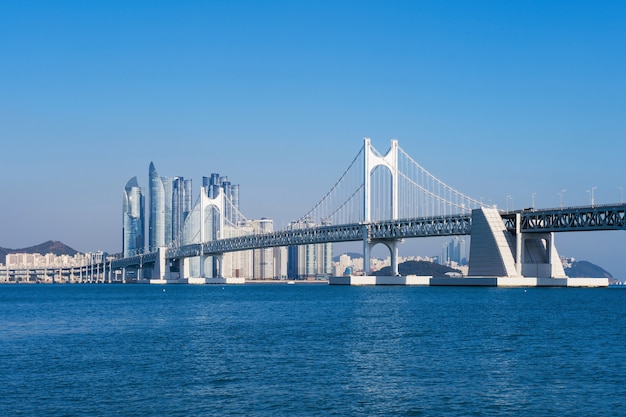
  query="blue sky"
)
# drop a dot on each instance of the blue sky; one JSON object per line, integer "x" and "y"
{"x": 495, "y": 98}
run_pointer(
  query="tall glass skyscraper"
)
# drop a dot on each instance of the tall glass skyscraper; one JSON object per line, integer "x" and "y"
{"x": 168, "y": 192}
{"x": 182, "y": 203}
{"x": 156, "y": 232}
{"x": 133, "y": 224}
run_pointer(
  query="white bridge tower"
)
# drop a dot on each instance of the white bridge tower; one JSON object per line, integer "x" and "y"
{"x": 390, "y": 161}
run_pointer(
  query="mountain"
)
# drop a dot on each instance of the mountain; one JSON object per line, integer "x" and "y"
{"x": 51, "y": 246}
{"x": 418, "y": 268}
{"x": 584, "y": 269}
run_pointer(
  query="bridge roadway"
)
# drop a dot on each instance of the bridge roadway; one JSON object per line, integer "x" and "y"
{"x": 584, "y": 218}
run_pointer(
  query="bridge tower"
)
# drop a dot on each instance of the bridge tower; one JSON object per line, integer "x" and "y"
{"x": 390, "y": 161}
{"x": 207, "y": 203}
{"x": 205, "y": 206}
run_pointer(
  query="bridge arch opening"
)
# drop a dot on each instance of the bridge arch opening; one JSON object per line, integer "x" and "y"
{"x": 392, "y": 251}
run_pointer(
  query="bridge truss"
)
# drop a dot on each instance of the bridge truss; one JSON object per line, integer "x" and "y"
{"x": 570, "y": 219}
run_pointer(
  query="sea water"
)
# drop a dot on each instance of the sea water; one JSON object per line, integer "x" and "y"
{"x": 304, "y": 350}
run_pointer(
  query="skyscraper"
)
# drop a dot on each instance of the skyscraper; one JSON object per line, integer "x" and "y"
{"x": 306, "y": 261}
{"x": 156, "y": 233}
{"x": 133, "y": 223}
{"x": 181, "y": 205}
{"x": 454, "y": 251}
{"x": 168, "y": 192}
{"x": 231, "y": 191}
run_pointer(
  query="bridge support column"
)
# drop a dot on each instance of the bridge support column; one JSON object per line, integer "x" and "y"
{"x": 393, "y": 247}
{"x": 203, "y": 261}
{"x": 491, "y": 246}
{"x": 160, "y": 271}
{"x": 539, "y": 256}
{"x": 220, "y": 265}
{"x": 366, "y": 251}
{"x": 184, "y": 268}
{"x": 518, "y": 243}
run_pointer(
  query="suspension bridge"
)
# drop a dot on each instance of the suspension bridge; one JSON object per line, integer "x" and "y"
{"x": 383, "y": 199}
{"x": 379, "y": 199}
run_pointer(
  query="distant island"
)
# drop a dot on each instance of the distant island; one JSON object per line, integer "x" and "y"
{"x": 576, "y": 269}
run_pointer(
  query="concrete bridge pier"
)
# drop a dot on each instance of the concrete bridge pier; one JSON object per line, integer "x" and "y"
{"x": 497, "y": 252}
{"x": 539, "y": 257}
{"x": 161, "y": 273}
{"x": 184, "y": 268}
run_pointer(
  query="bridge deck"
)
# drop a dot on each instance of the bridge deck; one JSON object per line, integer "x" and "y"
{"x": 585, "y": 218}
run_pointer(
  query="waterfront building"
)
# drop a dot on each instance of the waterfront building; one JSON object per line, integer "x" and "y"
{"x": 133, "y": 223}
{"x": 263, "y": 258}
{"x": 309, "y": 261}
{"x": 51, "y": 268}
{"x": 280, "y": 262}
{"x": 238, "y": 264}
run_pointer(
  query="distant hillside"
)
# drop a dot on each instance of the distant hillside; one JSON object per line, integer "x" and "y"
{"x": 584, "y": 269}
{"x": 418, "y": 268}
{"x": 56, "y": 247}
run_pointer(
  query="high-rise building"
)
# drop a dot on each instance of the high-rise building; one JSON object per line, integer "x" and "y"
{"x": 156, "y": 232}
{"x": 306, "y": 261}
{"x": 168, "y": 219}
{"x": 263, "y": 258}
{"x": 174, "y": 216}
{"x": 178, "y": 195}
{"x": 182, "y": 201}
{"x": 280, "y": 262}
{"x": 454, "y": 251}
{"x": 187, "y": 200}
{"x": 133, "y": 224}
{"x": 231, "y": 191}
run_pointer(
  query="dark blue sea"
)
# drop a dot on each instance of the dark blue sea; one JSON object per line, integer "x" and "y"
{"x": 308, "y": 350}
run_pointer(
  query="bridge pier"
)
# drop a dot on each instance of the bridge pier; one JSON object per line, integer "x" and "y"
{"x": 391, "y": 244}
{"x": 539, "y": 257}
{"x": 496, "y": 252}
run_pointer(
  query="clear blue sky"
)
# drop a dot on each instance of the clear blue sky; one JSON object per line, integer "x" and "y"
{"x": 495, "y": 98}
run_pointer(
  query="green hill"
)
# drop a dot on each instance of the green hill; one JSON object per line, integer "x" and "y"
{"x": 418, "y": 268}
{"x": 51, "y": 246}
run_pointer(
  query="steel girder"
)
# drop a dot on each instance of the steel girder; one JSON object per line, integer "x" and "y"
{"x": 136, "y": 260}
{"x": 606, "y": 217}
{"x": 344, "y": 233}
{"x": 427, "y": 226}
{"x": 396, "y": 229}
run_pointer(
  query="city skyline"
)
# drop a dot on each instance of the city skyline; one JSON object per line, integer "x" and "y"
{"x": 174, "y": 217}
{"x": 514, "y": 104}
